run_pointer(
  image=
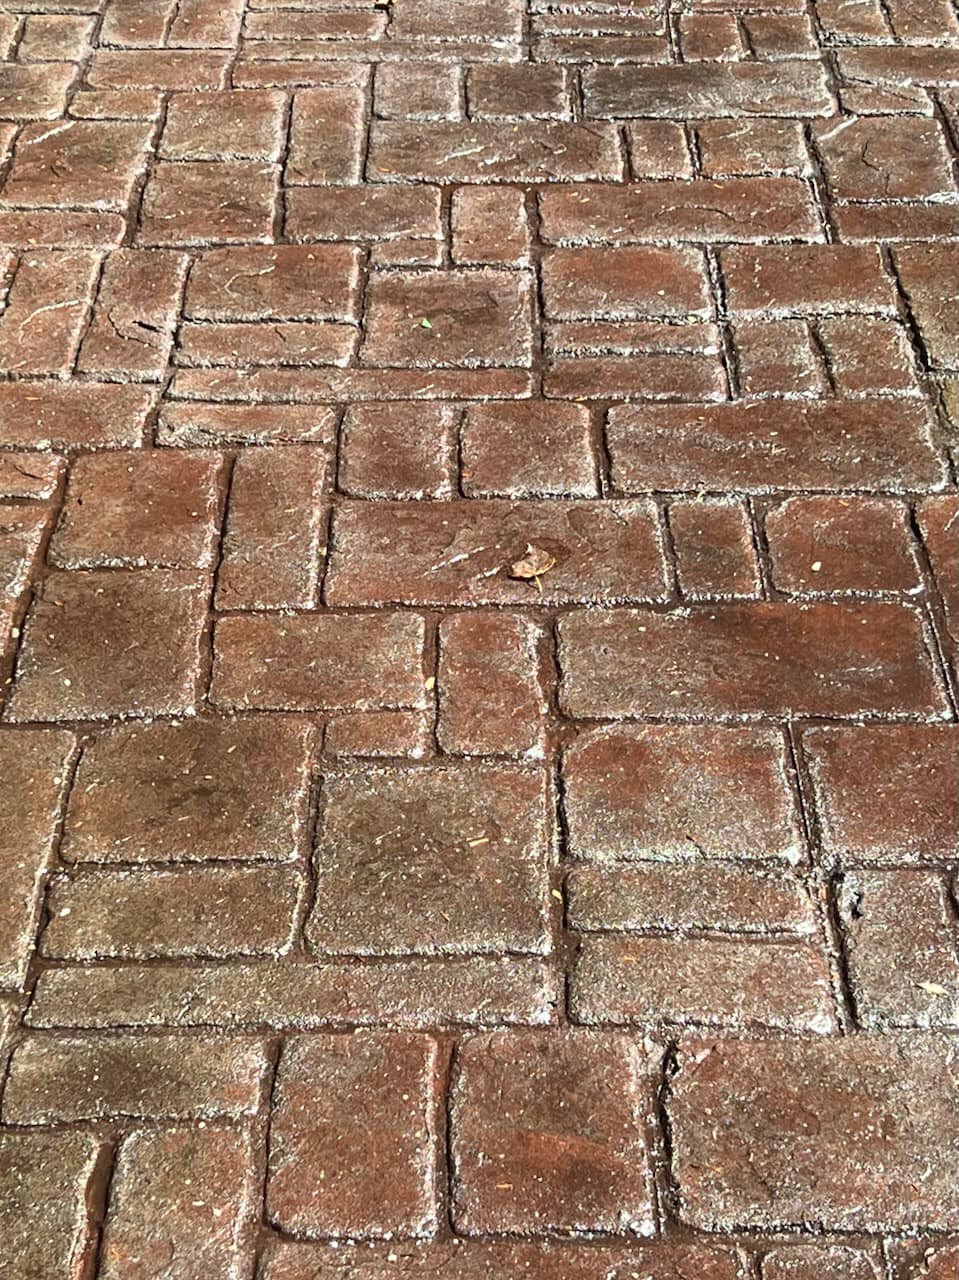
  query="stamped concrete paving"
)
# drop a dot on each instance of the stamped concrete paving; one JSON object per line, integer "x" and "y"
{"x": 479, "y": 614}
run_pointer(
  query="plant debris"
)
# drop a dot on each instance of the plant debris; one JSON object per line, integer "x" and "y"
{"x": 532, "y": 565}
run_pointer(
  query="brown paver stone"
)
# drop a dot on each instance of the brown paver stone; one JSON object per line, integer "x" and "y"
{"x": 847, "y": 1134}
{"x": 43, "y": 1202}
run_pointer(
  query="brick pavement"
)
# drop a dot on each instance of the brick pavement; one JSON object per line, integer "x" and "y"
{"x": 478, "y": 591}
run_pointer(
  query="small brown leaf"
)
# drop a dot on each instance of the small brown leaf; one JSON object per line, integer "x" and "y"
{"x": 533, "y": 564}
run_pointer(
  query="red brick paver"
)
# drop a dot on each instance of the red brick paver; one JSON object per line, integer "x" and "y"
{"x": 479, "y": 640}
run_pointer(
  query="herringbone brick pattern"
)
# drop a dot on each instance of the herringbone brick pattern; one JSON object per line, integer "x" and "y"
{"x": 478, "y": 591}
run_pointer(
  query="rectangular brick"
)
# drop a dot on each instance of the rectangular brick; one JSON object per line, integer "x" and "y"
{"x": 275, "y": 282}
{"x": 900, "y": 948}
{"x": 188, "y": 423}
{"x": 746, "y": 985}
{"x": 35, "y": 92}
{"x": 200, "y": 911}
{"x": 678, "y": 793}
{"x": 180, "y": 1193}
{"x": 197, "y": 202}
{"x": 353, "y": 1135}
{"x": 306, "y": 385}
{"x": 885, "y": 793}
{"x": 91, "y": 164}
{"x": 463, "y": 553}
{"x": 272, "y": 342}
{"x": 857, "y": 1133}
{"x": 327, "y": 136}
{"x": 491, "y": 699}
{"x": 29, "y": 475}
{"x": 749, "y": 660}
{"x": 448, "y": 318}
{"x": 60, "y": 415}
{"x": 423, "y": 993}
{"x": 803, "y": 278}
{"x": 156, "y": 69}
{"x": 721, "y": 897}
{"x": 132, "y": 328}
{"x": 276, "y": 522}
{"x": 317, "y": 662}
{"x": 711, "y": 89}
{"x": 46, "y": 311}
{"x": 45, "y": 1183}
{"x": 91, "y": 1077}
{"x": 34, "y": 765}
{"x": 760, "y": 446}
{"x": 479, "y": 1260}
{"x": 449, "y": 860}
{"x": 398, "y": 451}
{"x": 625, "y": 283}
{"x": 736, "y": 209}
{"x": 483, "y": 151}
{"x": 363, "y": 213}
{"x": 191, "y": 791}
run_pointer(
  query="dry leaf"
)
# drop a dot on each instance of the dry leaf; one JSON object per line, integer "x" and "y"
{"x": 533, "y": 565}
{"x": 934, "y": 988}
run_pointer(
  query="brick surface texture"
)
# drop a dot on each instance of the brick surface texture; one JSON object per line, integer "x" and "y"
{"x": 479, "y": 640}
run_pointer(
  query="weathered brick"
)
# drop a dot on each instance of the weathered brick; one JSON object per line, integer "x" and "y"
{"x": 518, "y": 91}
{"x": 44, "y": 1177}
{"x": 182, "y": 1199}
{"x": 352, "y": 1137}
{"x": 398, "y": 451}
{"x": 938, "y": 517}
{"x": 199, "y": 911}
{"x": 762, "y": 446}
{"x": 151, "y": 68}
{"x": 885, "y": 157}
{"x": 872, "y": 356}
{"x": 521, "y": 1104}
{"x": 825, "y": 545}
{"x": 35, "y": 92}
{"x": 490, "y": 227}
{"x": 720, "y": 897}
{"x": 419, "y": 993}
{"x": 132, "y": 327}
{"x": 448, "y": 318}
{"x": 461, "y": 866}
{"x": 483, "y": 151}
{"x": 194, "y": 423}
{"x": 658, "y": 149}
{"x": 737, "y": 209}
{"x": 925, "y": 271}
{"x": 363, "y": 213}
{"x": 135, "y": 509}
{"x": 776, "y": 357}
{"x": 885, "y": 792}
{"x": 625, "y": 283}
{"x": 845, "y": 1134}
{"x": 61, "y": 228}
{"x": 417, "y": 91}
{"x": 748, "y": 660}
{"x": 901, "y": 948}
{"x": 480, "y": 1260}
{"x": 786, "y": 88}
{"x": 307, "y": 385}
{"x": 207, "y": 23}
{"x": 526, "y": 450}
{"x": 666, "y": 792}
{"x": 87, "y": 1077}
{"x": 714, "y": 550}
{"x": 379, "y": 734}
{"x": 135, "y": 23}
{"x": 785, "y": 279}
{"x": 738, "y": 148}
{"x": 491, "y": 698}
{"x": 818, "y": 1262}
{"x": 104, "y": 644}
{"x": 243, "y": 124}
{"x": 451, "y": 19}
{"x": 327, "y": 135}
{"x": 84, "y": 163}
{"x": 462, "y": 553}
{"x": 46, "y": 311}
{"x": 331, "y": 662}
{"x": 276, "y": 523}
{"x": 275, "y": 282}
{"x": 34, "y": 765}
{"x": 268, "y": 343}
{"x": 55, "y": 37}
{"x": 708, "y": 36}
{"x": 746, "y": 985}
{"x": 190, "y": 791}
{"x": 21, "y": 532}
{"x": 195, "y": 202}
{"x": 115, "y": 104}
{"x": 29, "y": 475}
